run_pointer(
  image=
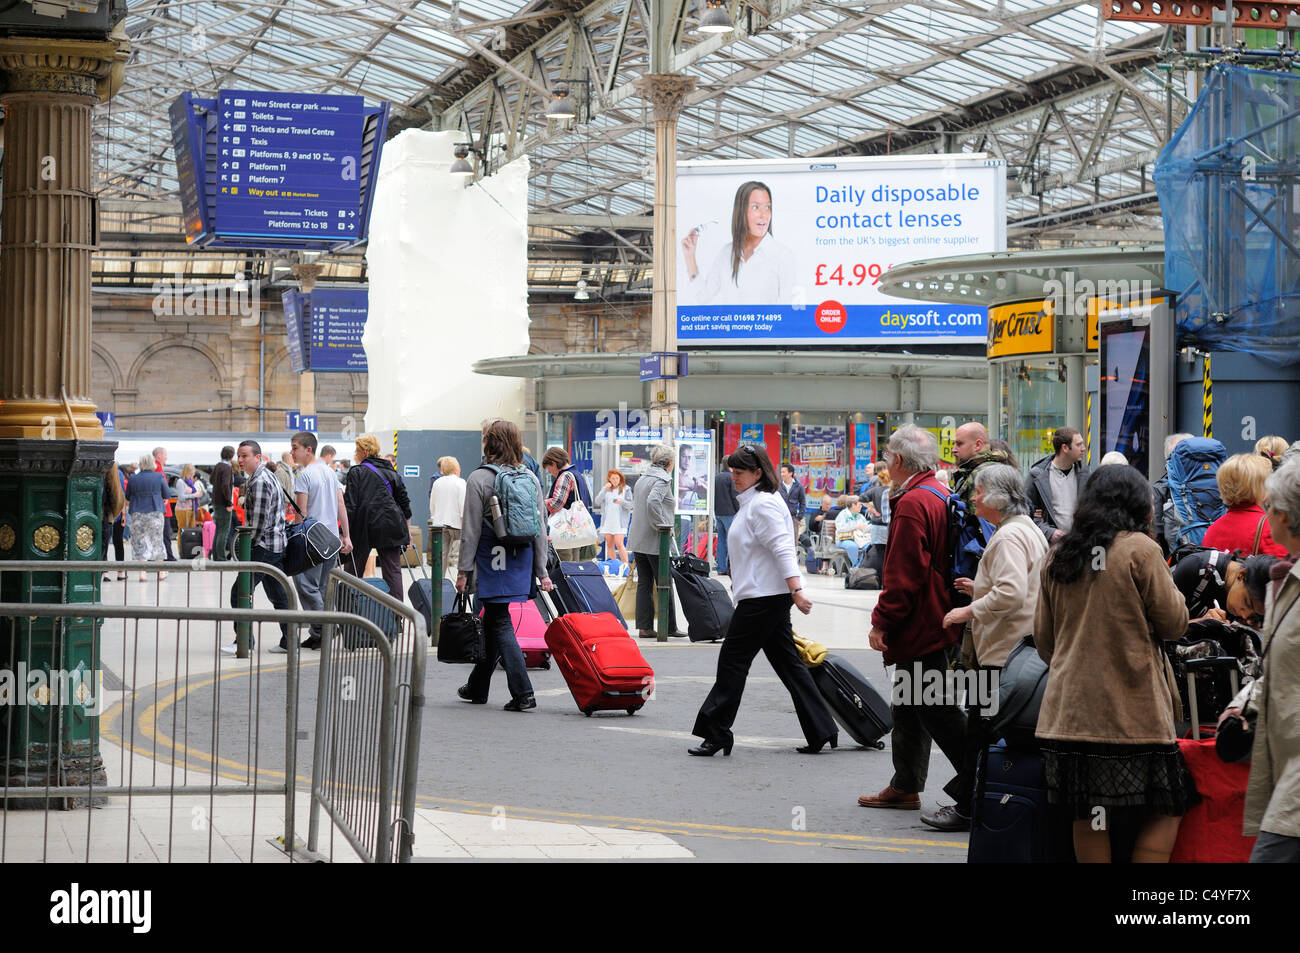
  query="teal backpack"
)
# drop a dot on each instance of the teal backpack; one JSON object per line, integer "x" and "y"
{"x": 516, "y": 492}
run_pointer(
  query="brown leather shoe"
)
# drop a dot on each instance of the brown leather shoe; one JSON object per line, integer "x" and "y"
{"x": 891, "y": 798}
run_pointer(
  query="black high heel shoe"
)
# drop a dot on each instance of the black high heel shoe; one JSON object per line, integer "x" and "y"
{"x": 707, "y": 749}
{"x": 815, "y": 749}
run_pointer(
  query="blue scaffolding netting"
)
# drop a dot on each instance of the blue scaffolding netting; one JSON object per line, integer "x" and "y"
{"x": 1229, "y": 189}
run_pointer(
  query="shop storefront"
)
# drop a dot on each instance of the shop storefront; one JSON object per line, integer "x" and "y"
{"x": 841, "y": 405}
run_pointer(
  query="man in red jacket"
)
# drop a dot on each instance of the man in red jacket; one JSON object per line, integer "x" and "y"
{"x": 907, "y": 625}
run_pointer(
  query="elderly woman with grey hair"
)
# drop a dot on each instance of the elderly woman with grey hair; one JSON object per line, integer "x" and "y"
{"x": 1004, "y": 594}
{"x": 653, "y": 509}
{"x": 1273, "y": 794}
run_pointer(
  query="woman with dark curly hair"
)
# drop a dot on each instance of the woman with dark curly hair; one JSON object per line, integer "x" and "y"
{"x": 1106, "y": 727}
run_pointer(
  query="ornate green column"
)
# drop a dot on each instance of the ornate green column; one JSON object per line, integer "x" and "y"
{"x": 52, "y": 455}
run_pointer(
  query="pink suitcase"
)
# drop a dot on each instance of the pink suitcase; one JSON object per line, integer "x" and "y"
{"x": 530, "y": 632}
{"x": 209, "y": 536}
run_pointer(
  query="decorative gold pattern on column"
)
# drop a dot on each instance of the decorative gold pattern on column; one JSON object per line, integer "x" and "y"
{"x": 47, "y": 222}
{"x": 45, "y": 538}
{"x": 7, "y": 537}
{"x": 85, "y": 538}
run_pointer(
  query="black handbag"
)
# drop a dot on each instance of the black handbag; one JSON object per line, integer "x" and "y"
{"x": 308, "y": 542}
{"x": 1020, "y": 695}
{"x": 461, "y": 640}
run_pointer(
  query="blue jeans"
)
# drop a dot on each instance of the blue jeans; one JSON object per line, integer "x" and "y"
{"x": 271, "y": 586}
{"x": 501, "y": 646}
{"x": 851, "y": 550}
{"x": 724, "y": 524}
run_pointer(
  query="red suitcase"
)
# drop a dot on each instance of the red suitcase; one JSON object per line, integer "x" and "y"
{"x": 1210, "y": 833}
{"x": 600, "y": 662}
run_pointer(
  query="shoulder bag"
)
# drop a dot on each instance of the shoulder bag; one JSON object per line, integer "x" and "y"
{"x": 309, "y": 542}
{"x": 461, "y": 640}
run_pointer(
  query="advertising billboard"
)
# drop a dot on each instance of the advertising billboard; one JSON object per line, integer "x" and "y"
{"x": 792, "y": 251}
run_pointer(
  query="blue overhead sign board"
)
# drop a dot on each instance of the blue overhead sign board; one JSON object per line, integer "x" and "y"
{"x": 288, "y": 165}
{"x": 324, "y": 328}
{"x": 293, "y": 326}
{"x": 276, "y": 170}
{"x": 338, "y": 319}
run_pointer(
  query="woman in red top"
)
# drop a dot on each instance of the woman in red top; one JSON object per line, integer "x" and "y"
{"x": 1241, "y": 486}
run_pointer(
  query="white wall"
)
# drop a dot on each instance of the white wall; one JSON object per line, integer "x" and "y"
{"x": 448, "y": 286}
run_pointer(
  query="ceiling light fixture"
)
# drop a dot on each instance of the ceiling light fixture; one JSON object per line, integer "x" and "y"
{"x": 564, "y": 106}
{"x": 561, "y": 107}
{"x": 581, "y": 293}
{"x": 715, "y": 19}
{"x": 461, "y": 166}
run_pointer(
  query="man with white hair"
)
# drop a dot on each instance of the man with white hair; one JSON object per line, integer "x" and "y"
{"x": 907, "y": 624}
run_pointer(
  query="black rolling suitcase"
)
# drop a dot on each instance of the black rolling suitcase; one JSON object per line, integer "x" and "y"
{"x": 191, "y": 542}
{"x": 705, "y": 602}
{"x": 855, "y": 704}
{"x": 1014, "y": 823}
{"x": 581, "y": 587}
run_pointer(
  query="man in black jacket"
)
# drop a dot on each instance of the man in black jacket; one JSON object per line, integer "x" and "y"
{"x": 223, "y": 481}
{"x": 725, "y": 505}
{"x": 1054, "y": 484}
{"x": 792, "y": 492}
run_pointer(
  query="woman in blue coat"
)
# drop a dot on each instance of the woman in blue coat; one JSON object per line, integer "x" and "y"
{"x": 499, "y": 573}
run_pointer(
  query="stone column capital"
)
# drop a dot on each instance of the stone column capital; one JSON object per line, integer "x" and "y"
{"x": 92, "y": 68}
{"x": 666, "y": 92}
{"x": 307, "y": 274}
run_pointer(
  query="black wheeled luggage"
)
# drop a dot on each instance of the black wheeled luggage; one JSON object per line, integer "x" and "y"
{"x": 191, "y": 542}
{"x": 705, "y": 602}
{"x": 581, "y": 587}
{"x": 857, "y": 706}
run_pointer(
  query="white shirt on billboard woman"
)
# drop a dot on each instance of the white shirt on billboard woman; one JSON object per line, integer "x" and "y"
{"x": 762, "y": 274}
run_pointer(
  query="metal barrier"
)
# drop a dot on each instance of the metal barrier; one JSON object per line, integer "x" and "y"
{"x": 146, "y": 742}
{"x": 368, "y": 701}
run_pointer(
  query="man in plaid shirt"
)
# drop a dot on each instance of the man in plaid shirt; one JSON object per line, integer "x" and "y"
{"x": 264, "y": 503}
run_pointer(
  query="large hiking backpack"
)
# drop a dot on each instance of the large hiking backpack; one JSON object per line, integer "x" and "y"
{"x": 516, "y": 491}
{"x": 967, "y": 536}
{"x": 1194, "y": 488}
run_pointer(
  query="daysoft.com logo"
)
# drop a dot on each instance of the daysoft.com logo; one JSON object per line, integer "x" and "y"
{"x": 893, "y": 322}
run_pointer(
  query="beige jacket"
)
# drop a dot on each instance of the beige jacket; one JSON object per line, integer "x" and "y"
{"x": 1110, "y": 681}
{"x": 1006, "y": 589}
{"x": 1273, "y": 795}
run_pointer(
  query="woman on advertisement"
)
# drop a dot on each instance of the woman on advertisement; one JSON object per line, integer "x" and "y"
{"x": 752, "y": 268}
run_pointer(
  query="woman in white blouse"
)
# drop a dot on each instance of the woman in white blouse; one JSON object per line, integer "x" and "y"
{"x": 752, "y": 268}
{"x": 614, "y": 502}
{"x": 765, "y": 582}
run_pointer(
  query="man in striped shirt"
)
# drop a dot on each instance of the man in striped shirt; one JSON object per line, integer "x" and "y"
{"x": 264, "y": 502}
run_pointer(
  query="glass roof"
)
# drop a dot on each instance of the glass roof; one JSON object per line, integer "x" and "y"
{"x": 827, "y": 77}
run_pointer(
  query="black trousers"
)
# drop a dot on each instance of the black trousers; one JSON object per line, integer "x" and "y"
{"x": 167, "y": 539}
{"x": 646, "y": 579}
{"x": 112, "y": 532}
{"x": 762, "y": 623}
{"x": 979, "y": 735}
{"x": 389, "y": 563}
{"x": 915, "y": 724}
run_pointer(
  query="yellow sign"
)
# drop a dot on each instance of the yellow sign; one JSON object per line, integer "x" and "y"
{"x": 1041, "y": 438}
{"x": 1024, "y": 328}
{"x": 1097, "y": 305}
{"x": 945, "y": 436}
